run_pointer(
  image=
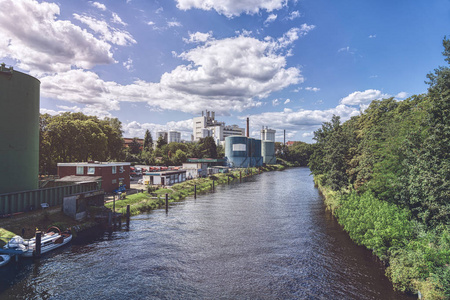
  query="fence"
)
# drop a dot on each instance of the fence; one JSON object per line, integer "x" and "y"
{"x": 30, "y": 200}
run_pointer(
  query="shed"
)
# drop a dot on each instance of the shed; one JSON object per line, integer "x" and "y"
{"x": 164, "y": 177}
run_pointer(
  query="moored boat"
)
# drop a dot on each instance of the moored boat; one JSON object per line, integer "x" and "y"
{"x": 51, "y": 240}
{"x": 4, "y": 259}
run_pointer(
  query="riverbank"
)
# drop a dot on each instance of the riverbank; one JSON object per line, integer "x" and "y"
{"x": 147, "y": 201}
{"x": 416, "y": 259}
{"x": 26, "y": 224}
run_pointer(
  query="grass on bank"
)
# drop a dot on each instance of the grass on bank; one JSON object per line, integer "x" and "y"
{"x": 417, "y": 259}
{"x": 143, "y": 202}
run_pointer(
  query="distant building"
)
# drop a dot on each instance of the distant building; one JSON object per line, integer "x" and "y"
{"x": 163, "y": 134}
{"x": 174, "y": 137}
{"x": 128, "y": 141}
{"x": 290, "y": 143}
{"x": 113, "y": 174}
{"x": 267, "y": 134}
{"x": 207, "y": 125}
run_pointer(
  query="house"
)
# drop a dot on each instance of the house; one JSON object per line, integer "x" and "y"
{"x": 113, "y": 174}
{"x": 164, "y": 177}
{"x": 198, "y": 167}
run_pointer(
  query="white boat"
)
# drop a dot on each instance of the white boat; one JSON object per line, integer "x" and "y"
{"x": 4, "y": 259}
{"x": 53, "y": 239}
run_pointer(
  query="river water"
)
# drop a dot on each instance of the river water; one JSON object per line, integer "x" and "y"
{"x": 267, "y": 238}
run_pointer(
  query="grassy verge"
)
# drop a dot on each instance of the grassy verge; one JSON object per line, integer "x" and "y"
{"x": 417, "y": 259}
{"x": 144, "y": 202}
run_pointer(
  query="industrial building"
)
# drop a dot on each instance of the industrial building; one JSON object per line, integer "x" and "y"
{"x": 19, "y": 150}
{"x": 207, "y": 125}
{"x": 244, "y": 152}
{"x": 267, "y": 134}
{"x": 173, "y": 137}
{"x": 164, "y": 177}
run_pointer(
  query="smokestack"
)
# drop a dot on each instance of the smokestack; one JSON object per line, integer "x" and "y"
{"x": 284, "y": 133}
{"x": 248, "y": 127}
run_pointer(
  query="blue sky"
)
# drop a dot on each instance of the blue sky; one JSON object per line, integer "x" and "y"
{"x": 286, "y": 64}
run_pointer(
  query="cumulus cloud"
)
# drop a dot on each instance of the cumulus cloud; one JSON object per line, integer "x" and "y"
{"x": 116, "y": 19}
{"x": 136, "y": 129}
{"x": 128, "y": 64}
{"x": 99, "y": 5}
{"x": 42, "y": 43}
{"x": 226, "y": 75}
{"x": 232, "y": 8}
{"x": 275, "y": 102}
{"x": 174, "y": 24}
{"x": 312, "y": 89}
{"x": 401, "y": 95}
{"x": 302, "y": 119}
{"x": 358, "y": 98}
{"x": 287, "y": 101}
{"x": 108, "y": 33}
{"x": 198, "y": 37}
{"x": 293, "y": 15}
{"x": 271, "y": 18}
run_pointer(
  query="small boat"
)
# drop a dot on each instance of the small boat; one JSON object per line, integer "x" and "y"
{"x": 53, "y": 239}
{"x": 4, "y": 259}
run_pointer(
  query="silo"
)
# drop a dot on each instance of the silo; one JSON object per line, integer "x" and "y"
{"x": 258, "y": 158}
{"x": 268, "y": 152}
{"x": 236, "y": 151}
{"x": 19, "y": 131}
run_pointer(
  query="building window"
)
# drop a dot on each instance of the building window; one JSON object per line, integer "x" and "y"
{"x": 91, "y": 171}
{"x": 114, "y": 169}
{"x": 239, "y": 147}
{"x": 114, "y": 181}
{"x": 80, "y": 170}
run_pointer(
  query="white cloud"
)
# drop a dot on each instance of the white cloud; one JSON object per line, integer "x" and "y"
{"x": 271, "y": 18}
{"x": 136, "y": 129}
{"x": 344, "y": 49}
{"x": 116, "y": 19}
{"x": 358, "y": 98}
{"x": 150, "y": 23}
{"x": 275, "y": 102}
{"x": 294, "y": 15}
{"x": 198, "y": 37}
{"x": 99, "y": 5}
{"x": 108, "y": 33}
{"x": 372, "y": 36}
{"x": 401, "y": 95}
{"x": 47, "y": 44}
{"x": 226, "y": 75}
{"x": 287, "y": 101}
{"x": 312, "y": 89}
{"x": 174, "y": 24}
{"x": 232, "y": 8}
{"x": 128, "y": 64}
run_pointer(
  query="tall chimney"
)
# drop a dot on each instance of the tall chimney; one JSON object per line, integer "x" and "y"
{"x": 284, "y": 134}
{"x": 248, "y": 127}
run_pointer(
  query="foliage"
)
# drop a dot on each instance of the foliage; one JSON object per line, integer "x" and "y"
{"x": 69, "y": 137}
{"x": 148, "y": 141}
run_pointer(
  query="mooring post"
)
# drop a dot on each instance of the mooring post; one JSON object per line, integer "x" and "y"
{"x": 128, "y": 215}
{"x": 228, "y": 177}
{"x": 213, "y": 185}
{"x": 195, "y": 191}
{"x": 37, "y": 249}
{"x": 240, "y": 176}
{"x": 114, "y": 202}
{"x": 167, "y": 203}
{"x": 23, "y": 232}
{"x": 109, "y": 219}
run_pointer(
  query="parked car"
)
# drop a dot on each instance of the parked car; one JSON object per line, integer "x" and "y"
{"x": 140, "y": 181}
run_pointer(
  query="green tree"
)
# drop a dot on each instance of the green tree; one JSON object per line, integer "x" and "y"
{"x": 161, "y": 142}
{"x": 135, "y": 146}
{"x": 208, "y": 147}
{"x": 148, "y": 141}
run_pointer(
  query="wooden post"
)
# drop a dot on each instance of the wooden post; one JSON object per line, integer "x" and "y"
{"x": 167, "y": 203}
{"x": 37, "y": 249}
{"x": 110, "y": 219}
{"x": 195, "y": 191}
{"x": 240, "y": 176}
{"x": 213, "y": 185}
{"x": 114, "y": 203}
{"x": 128, "y": 215}
{"x": 228, "y": 179}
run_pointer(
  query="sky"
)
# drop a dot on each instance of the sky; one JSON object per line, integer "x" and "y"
{"x": 286, "y": 64}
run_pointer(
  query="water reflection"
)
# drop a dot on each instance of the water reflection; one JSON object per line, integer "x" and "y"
{"x": 268, "y": 238}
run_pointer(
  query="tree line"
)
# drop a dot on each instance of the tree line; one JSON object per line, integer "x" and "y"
{"x": 76, "y": 137}
{"x": 389, "y": 169}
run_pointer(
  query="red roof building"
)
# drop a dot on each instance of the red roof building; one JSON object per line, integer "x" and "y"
{"x": 113, "y": 174}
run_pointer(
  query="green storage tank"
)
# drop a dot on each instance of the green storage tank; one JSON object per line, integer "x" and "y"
{"x": 19, "y": 131}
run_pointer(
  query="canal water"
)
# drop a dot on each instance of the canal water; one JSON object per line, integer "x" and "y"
{"x": 267, "y": 238}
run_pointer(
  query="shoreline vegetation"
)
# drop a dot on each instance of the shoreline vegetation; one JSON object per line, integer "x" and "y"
{"x": 153, "y": 198}
{"x": 416, "y": 258}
